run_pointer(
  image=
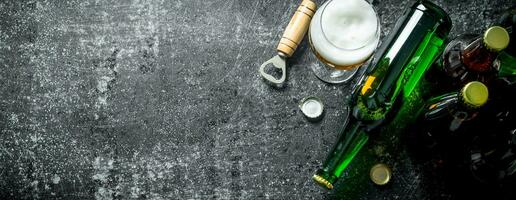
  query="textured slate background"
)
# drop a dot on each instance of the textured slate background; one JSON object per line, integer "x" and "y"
{"x": 162, "y": 100}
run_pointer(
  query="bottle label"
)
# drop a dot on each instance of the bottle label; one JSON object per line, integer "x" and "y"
{"x": 367, "y": 85}
{"x": 458, "y": 118}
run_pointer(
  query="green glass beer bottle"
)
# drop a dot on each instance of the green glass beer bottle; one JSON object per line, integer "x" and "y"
{"x": 505, "y": 63}
{"x": 396, "y": 69}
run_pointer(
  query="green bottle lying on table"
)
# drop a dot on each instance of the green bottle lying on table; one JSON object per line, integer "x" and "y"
{"x": 505, "y": 64}
{"x": 397, "y": 67}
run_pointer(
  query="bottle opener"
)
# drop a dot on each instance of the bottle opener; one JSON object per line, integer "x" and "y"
{"x": 292, "y": 36}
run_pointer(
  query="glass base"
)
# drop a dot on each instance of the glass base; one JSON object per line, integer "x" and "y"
{"x": 331, "y": 75}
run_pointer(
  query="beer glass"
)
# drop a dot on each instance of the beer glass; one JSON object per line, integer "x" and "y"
{"x": 343, "y": 35}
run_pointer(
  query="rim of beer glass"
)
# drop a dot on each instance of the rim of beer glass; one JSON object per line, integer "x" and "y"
{"x": 371, "y": 40}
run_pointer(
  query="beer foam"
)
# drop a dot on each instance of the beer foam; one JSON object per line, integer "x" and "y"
{"x": 345, "y": 32}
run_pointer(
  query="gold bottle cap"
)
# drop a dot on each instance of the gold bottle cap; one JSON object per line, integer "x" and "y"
{"x": 496, "y": 38}
{"x": 475, "y": 94}
{"x": 323, "y": 182}
{"x": 380, "y": 174}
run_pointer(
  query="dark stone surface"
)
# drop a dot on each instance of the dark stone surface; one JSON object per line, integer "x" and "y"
{"x": 162, "y": 100}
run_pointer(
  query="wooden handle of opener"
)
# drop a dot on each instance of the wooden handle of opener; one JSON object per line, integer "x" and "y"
{"x": 296, "y": 28}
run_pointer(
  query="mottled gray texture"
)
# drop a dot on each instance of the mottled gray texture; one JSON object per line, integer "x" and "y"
{"x": 162, "y": 100}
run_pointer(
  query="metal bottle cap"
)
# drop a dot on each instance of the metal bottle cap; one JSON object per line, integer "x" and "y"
{"x": 496, "y": 38}
{"x": 312, "y": 107}
{"x": 475, "y": 94}
{"x": 323, "y": 182}
{"x": 380, "y": 174}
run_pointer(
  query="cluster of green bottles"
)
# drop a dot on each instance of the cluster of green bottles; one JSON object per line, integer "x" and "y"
{"x": 471, "y": 129}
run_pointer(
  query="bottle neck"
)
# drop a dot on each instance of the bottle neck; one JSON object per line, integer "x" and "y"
{"x": 349, "y": 143}
{"x": 452, "y": 109}
{"x": 447, "y": 105}
{"x": 477, "y": 57}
